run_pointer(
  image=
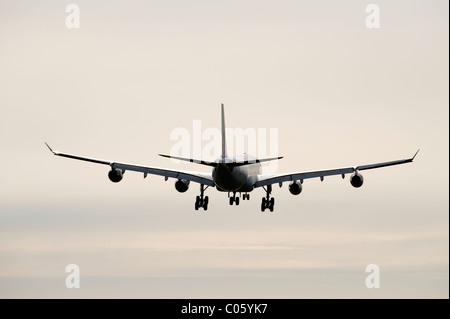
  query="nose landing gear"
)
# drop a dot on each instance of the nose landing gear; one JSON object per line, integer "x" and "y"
{"x": 233, "y": 199}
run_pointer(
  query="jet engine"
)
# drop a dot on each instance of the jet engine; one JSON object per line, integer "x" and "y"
{"x": 356, "y": 180}
{"x": 115, "y": 175}
{"x": 182, "y": 185}
{"x": 295, "y": 188}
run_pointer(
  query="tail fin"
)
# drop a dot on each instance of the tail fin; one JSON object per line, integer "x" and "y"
{"x": 224, "y": 143}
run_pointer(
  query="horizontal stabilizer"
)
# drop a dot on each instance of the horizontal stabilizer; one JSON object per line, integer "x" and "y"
{"x": 254, "y": 161}
{"x": 234, "y": 164}
{"x": 191, "y": 160}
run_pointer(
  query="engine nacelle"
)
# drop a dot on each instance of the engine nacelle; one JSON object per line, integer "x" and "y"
{"x": 115, "y": 175}
{"x": 356, "y": 180}
{"x": 182, "y": 185}
{"x": 295, "y": 188}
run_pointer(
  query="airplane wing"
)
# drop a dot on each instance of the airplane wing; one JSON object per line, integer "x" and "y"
{"x": 264, "y": 180}
{"x": 197, "y": 177}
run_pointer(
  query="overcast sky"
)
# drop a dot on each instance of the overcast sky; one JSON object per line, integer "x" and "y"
{"x": 339, "y": 93}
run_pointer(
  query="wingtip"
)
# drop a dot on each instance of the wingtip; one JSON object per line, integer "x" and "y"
{"x": 412, "y": 159}
{"x": 49, "y": 147}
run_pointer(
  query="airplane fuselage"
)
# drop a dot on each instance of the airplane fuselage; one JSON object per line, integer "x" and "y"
{"x": 231, "y": 178}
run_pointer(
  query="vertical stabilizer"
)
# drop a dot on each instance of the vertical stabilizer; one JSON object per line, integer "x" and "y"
{"x": 224, "y": 143}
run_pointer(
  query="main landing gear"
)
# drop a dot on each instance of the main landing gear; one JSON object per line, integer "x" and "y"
{"x": 202, "y": 201}
{"x": 267, "y": 202}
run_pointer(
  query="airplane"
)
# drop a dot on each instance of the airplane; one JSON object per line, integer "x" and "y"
{"x": 231, "y": 175}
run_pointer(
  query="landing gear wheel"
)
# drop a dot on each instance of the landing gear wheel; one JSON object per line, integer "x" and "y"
{"x": 197, "y": 202}
{"x": 205, "y": 203}
{"x": 237, "y": 201}
{"x": 231, "y": 200}
{"x": 271, "y": 204}
{"x": 263, "y": 204}
{"x": 202, "y": 201}
{"x": 268, "y": 202}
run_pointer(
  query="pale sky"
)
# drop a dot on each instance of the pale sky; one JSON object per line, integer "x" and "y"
{"x": 339, "y": 93}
